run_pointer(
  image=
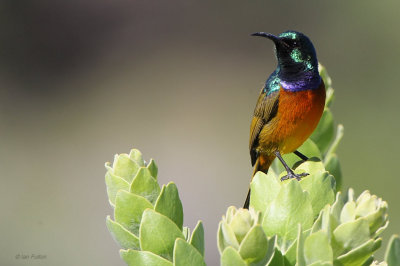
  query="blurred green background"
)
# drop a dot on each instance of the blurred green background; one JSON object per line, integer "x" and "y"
{"x": 83, "y": 80}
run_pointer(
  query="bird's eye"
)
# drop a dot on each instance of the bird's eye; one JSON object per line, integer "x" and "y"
{"x": 292, "y": 43}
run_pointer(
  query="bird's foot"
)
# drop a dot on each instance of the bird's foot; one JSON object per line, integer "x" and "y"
{"x": 291, "y": 175}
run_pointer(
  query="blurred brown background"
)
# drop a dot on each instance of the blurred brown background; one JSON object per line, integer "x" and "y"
{"x": 83, "y": 80}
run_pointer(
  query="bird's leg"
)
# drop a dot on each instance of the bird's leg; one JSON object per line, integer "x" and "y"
{"x": 302, "y": 156}
{"x": 290, "y": 173}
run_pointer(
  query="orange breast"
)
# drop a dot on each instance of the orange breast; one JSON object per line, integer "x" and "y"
{"x": 297, "y": 117}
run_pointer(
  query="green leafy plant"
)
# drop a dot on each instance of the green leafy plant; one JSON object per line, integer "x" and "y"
{"x": 307, "y": 222}
{"x": 148, "y": 221}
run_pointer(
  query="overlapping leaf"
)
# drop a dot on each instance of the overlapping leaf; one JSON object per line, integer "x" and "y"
{"x": 148, "y": 221}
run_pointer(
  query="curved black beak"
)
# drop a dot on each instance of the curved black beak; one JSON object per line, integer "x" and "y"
{"x": 275, "y": 39}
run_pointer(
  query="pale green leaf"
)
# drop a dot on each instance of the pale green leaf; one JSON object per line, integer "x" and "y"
{"x": 320, "y": 263}
{"x": 136, "y": 258}
{"x": 317, "y": 225}
{"x": 128, "y": 211}
{"x": 309, "y": 149}
{"x": 277, "y": 259}
{"x": 272, "y": 243}
{"x": 328, "y": 85}
{"x": 350, "y": 195}
{"x": 323, "y": 134}
{"x": 301, "y": 261}
{"x": 392, "y": 254}
{"x": 122, "y": 236}
{"x": 381, "y": 229}
{"x": 230, "y": 257}
{"x": 328, "y": 222}
{"x": 186, "y": 232}
{"x": 359, "y": 255}
{"x": 324, "y": 75}
{"x": 365, "y": 196}
{"x": 350, "y": 235}
{"x": 145, "y": 185}
{"x": 290, "y": 254}
{"x": 348, "y": 212}
{"x": 153, "y": 168}
{"x": 371, "y": 262}
{"x": 185, "y": 254}
{"x": 335, "y": 143}
{"x": 137, "y": 157}
{"x": 378, "y": 218}
{"x": 158, "y": 234}
{"x": 241, "y": 223}
{"x": 124, "y": 167}
{"x": 226, "y": 237}
{"x": 332, "y": 165}
{"x": 324, "y": 222}
{"x": 230, "y": 213}
{"x": 336, "y": 209}
{"x": 330, "y": 96}
{"x": 291, "y": 207}
{"x": 311, "y": 166}
{"x": 114, "y": 183}
{"x": 254, "y": 246}
{"x": 197, "y": 238}
{"x": 317, "y": 248}
{"x": 169, "y": 204}
{"x": 264, "y": 189}
{"x": 321, "y": 188}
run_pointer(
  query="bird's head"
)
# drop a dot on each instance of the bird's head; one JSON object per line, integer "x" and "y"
{"x": 294, "y": 51}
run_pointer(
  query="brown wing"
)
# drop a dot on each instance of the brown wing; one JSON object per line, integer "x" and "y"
{"x": 266, "y": 108}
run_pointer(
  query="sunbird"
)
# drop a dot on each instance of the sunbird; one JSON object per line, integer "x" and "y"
{"x": 290, "y": 104}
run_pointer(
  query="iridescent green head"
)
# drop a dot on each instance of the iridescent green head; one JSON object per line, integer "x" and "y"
{"x": 294, "y": 51}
